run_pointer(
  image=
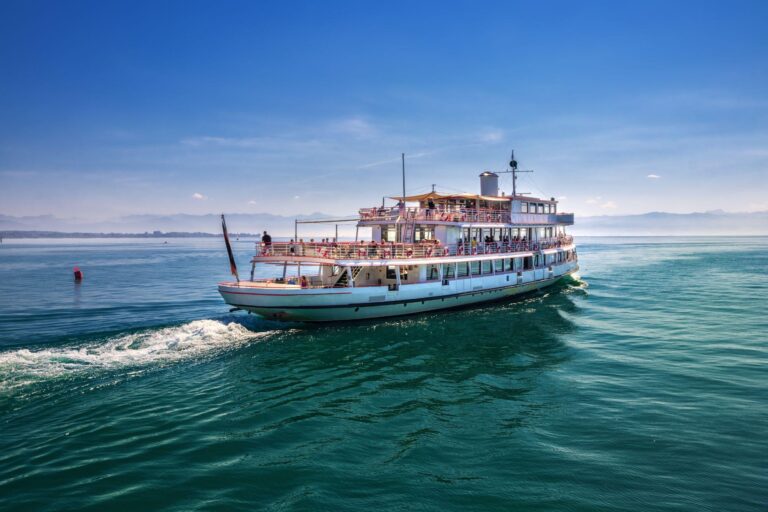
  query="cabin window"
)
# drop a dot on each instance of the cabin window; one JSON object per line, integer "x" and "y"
{"x": 487, "y": 267}
{"x": 403, "y": 273}
{"x": 554, "y": 208}
{"x": 391, "y": 273}
{"x": 463, "y": 269}
{"x": 424, "y": 233}
{"x": 475, "y": 268}
{"x": 541, "y": 208}
{"x": 536, "y": 261}
{"x": 528, "y": 263}
{"x": 389, "y": 234}
{"x": 506, "y": 264}
{"x": 432, "y": 272}
{"x": 524, "y": 207}
{"x": 448, "y": 271}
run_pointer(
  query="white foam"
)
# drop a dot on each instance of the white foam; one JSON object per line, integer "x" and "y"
{"x": 149, "y": 347}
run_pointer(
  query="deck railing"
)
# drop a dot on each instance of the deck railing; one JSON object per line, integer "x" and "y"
{"x": 394, "y": 213}
{"x": 386, "y": 250}
{"x": 443, "y": 214}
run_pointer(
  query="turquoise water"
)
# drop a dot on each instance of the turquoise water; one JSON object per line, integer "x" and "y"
{"x": 640, "y": 387}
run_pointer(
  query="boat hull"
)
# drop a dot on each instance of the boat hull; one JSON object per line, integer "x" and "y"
{"x": 344, "y": 304}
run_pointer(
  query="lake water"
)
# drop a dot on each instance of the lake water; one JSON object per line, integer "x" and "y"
{"x": 642, "y": 386}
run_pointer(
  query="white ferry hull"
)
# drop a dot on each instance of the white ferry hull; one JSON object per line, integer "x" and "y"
{"x": 344, "y": 304}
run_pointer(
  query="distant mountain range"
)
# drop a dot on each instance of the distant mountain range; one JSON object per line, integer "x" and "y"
{"x": 647, "y": 224}
{"x": 177, "y": 223}
{"x": 715, "y": 222}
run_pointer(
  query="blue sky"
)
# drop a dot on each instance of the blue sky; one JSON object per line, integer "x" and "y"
{"x": 115, "y": 108}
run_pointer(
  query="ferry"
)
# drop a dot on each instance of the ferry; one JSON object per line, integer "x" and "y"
{"x": 427, "y": 252}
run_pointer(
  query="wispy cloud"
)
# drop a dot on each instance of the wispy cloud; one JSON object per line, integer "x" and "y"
{"x": 653, "y": 176}
{"x": 491, "y": 136}
{"x": 197, "y": 196}
{"x": 609, "y": 205}
{"x": 354, "y": 126}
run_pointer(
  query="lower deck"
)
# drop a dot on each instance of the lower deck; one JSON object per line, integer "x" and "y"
{"x": 394, "y": 274}
{"x": 350, "y": 303}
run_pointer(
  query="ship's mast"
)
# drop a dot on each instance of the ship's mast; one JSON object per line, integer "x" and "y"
{"x": 514, "y": 170}
{"x": 403, "y": 157}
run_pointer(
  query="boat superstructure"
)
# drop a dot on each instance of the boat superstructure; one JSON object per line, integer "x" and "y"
{"x": 427, "y": 252}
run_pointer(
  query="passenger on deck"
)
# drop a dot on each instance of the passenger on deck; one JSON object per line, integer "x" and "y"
{"x": 266, "y": 240}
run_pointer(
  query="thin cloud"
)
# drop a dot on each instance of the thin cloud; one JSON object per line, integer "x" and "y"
{"x": 197, "y": 196}
{"x": 609, "y": 205}
{"x": 491, "y": 136}
{"x": 653, "y": 176}
{"x": 355, "y": 126}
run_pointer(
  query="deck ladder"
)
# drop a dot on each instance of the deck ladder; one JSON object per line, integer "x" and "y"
{"x": 343, "y": 280}
{"x": 410, "y": 226}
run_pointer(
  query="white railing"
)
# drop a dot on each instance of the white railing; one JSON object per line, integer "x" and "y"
{"x": 443, "y": 214}
{"x": 387, "y": 250}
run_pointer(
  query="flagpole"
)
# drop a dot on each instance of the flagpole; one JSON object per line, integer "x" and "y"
{"x": 232, "y": 264}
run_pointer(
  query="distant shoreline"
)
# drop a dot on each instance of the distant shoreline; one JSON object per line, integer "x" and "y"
{"x": 155, "y": 234}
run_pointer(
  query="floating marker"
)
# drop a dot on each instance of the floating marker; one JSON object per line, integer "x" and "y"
{"x": 78, "y": 274}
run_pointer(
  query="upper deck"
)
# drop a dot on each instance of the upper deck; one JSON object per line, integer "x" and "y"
{"x": 451, "y": 214}
{"x": 465, "y": 209}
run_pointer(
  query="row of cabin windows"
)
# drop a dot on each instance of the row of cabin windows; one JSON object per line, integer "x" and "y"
{"x": 478, "y": 268}
{"x": 539, "y": 208}
{"x": 389, "y": 233}
{"x": 499, "y": 234}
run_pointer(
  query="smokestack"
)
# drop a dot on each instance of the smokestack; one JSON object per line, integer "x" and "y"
{"x": 489, "y": 184}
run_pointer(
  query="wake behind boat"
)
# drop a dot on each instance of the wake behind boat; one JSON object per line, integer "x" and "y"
{"x": 428, "y": 252}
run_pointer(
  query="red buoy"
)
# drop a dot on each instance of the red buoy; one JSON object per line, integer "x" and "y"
{"x": 78, "y": 274}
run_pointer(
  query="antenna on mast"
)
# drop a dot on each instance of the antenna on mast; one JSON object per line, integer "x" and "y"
{"x": 514, "y": 170}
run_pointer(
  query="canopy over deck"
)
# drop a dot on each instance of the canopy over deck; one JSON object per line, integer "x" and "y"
{"x": 435, "y": 196}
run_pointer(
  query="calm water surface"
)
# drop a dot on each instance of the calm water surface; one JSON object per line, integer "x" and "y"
{"x": 641, "y": 386}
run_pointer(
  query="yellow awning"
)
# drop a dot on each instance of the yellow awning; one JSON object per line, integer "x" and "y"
{"x": 435, "y": 196}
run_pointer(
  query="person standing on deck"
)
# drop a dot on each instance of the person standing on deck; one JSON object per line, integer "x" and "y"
{"x": 266, "y": 241}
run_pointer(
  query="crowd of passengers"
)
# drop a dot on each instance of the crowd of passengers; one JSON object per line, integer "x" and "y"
{"x": 431, "y": 209}
{"x": 372, "y": 249}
